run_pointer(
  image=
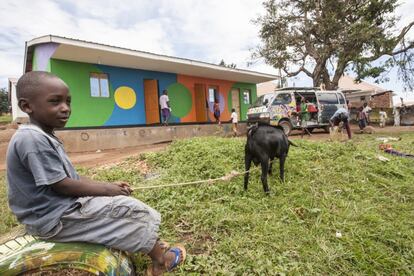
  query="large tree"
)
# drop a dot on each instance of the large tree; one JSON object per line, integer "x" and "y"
{"x": 4, "y": 101}
{"x": 324, "y": 38}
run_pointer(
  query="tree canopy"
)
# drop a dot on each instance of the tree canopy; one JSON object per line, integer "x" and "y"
{"x": 231, "y": 65}
{"x": 326, "y": 38}
{"x": 4, "y": 101}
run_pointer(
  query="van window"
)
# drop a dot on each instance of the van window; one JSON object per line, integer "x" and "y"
{"x": 341, "y": 99}
{"x": 283, "y": 98}
{"x": 327, "y": 98}
{"x": 262, "y": 100}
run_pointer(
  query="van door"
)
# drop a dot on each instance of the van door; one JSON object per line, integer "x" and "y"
{"x": 280, "y": 107}
{"x": 328, "y": 103}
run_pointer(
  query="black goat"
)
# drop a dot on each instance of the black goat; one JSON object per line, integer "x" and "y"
{"x": 264, "y": 143}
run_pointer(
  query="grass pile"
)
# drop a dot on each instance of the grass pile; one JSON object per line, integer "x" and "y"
{"x": 340, "y": 211}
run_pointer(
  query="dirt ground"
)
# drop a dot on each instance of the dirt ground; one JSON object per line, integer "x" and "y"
{"x": 99, "y": 158}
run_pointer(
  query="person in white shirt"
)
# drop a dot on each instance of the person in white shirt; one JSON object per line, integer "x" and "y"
{"x": 367, "y": 109}
{"x": 383, "y": 117}
{"x": 165, "y": 107}
{"x": 234, "y": 120}
{"x": 396, "y": 113}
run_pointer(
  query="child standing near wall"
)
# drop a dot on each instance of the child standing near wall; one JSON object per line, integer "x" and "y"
{"x": 54, "y": 203}
{"x": 234, "y": 120}
{"x": 216, "y": 108}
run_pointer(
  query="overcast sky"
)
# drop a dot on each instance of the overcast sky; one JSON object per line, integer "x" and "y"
{"x": 197, "y": 29}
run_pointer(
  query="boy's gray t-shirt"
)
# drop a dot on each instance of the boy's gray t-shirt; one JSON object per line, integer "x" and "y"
{"x": 35, "y": 161}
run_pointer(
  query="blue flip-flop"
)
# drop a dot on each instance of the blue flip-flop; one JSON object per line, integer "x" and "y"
{"x": 177, "y": 250}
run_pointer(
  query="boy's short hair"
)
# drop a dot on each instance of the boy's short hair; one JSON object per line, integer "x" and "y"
{"x": 233, "y": 110}
{"x": 30, "y": 83}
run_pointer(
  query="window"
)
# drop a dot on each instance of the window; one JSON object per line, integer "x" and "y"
{"x": 327, "y": 98}
{"x": 99, "y": 85}
{"x": 246, "y": 96}
{"x": 341, "y": 99}
{"x": 283, "y": 98}
{"x": 212, "y": 94}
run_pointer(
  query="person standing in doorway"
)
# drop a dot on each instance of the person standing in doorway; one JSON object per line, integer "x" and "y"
{"x": 304, "y": 117}
{"x": 216, "y": 108}
{"x": 235, "y": 121}
{"x": 165, "y": 107}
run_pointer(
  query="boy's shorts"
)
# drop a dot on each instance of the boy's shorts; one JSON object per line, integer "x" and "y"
{"x": 119, "y": 222}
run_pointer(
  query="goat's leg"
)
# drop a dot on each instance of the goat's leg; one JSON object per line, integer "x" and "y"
{"x": 282, "y": 160}
{"x": 270, "y": 167}
{"x": 265, "y": 169}
{"x": 247, "y": 164}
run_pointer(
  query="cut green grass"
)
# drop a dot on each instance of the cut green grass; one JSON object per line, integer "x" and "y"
{"x": 340, "y": 211}
{"x": 5, "y": 119}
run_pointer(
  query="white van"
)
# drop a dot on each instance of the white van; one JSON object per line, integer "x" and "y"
{"x": 282, "y": 108}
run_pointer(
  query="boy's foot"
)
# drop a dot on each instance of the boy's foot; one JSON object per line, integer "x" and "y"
{"x": 164, "y": 245}
{"x": 173, "y": 257}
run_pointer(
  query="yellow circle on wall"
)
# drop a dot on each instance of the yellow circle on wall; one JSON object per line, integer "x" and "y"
{"x": 125, "y": 97}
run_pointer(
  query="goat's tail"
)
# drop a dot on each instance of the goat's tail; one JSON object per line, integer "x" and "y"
{"x": 291, "y": 143}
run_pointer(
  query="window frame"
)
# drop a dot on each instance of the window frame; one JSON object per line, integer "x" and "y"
{"x": 101, "y": 92}
{"x": 215, "y": 95}
{"x": 341, "y": 98}
{"x": 279, "y": 94}
{"x": 321, "y": 95}
{"x": 249, "y": 93}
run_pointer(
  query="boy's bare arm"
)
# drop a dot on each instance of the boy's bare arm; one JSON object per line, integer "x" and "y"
{"x": 88, "y": 187}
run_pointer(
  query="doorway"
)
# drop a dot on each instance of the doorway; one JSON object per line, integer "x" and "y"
{"x": 152, "y": 111}
{"x": 200, "y": 102}
{"x": 235, "y": 100}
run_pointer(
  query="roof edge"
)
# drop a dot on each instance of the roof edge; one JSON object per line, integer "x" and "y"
{"x": 116, "y": 49}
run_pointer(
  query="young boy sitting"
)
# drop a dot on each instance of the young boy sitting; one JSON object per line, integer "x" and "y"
{"x": 55, "y": 203}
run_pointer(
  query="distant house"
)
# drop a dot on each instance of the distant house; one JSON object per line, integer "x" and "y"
{"x": 16, "y": 113}
{"x": 266, "y": 87}
{"x": 364, "y": 92}
{"x": 114, "y": 87}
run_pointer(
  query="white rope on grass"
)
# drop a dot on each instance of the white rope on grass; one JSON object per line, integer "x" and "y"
{"x": 226, "y": 177}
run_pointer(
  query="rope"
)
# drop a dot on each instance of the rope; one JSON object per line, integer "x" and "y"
{"x": 226, "y": 177}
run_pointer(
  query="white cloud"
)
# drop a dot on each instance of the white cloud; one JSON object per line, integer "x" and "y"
{"x": 197, "y": 29}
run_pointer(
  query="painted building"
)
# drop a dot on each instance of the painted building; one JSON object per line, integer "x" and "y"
{"x": 113, "y": 86}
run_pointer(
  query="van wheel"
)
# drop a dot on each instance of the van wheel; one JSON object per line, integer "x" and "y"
{"x": 287, "y": 127}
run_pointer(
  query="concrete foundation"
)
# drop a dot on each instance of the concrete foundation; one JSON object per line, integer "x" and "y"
{"x": 111, "y": 138}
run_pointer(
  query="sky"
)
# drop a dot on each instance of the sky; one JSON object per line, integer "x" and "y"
{"x": 201, "y": 30}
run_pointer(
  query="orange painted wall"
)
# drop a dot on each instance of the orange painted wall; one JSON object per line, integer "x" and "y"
{"x": 223, "y": 88}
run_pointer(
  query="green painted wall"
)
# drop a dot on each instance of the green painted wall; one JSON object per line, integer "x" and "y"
{"x": 180, "y": 99}
{"x": 243, "y": 107}
{"x": 86, "y": 110}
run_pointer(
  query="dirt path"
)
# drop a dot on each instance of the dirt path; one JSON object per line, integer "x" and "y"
{"x": 99, "y": 158}
{"x": 92, "y": 159}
